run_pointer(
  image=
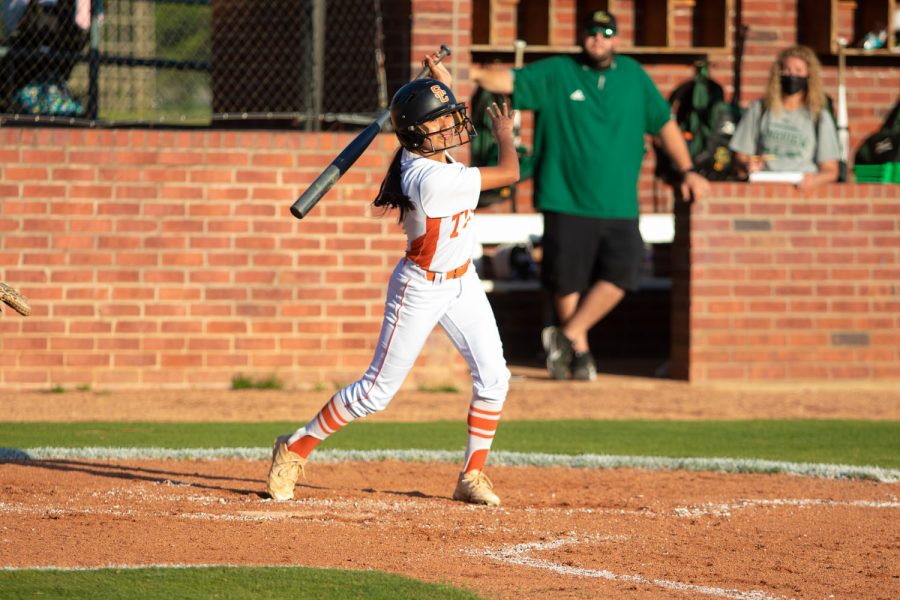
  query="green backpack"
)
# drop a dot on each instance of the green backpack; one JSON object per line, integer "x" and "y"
{"x": 707, "y": 123}
{"x": 883, "y": 146}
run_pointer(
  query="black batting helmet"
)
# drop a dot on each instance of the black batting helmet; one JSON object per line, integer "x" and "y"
{"x": 424, "y": 100}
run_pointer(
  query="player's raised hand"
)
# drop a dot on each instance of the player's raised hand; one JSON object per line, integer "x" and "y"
{"x": 501, "y": 120}
{"x": 506, "y": 172}
{"x": 438, "y": 70}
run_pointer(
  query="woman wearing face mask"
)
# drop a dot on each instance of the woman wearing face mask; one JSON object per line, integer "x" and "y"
{"x": 791, "y": 128}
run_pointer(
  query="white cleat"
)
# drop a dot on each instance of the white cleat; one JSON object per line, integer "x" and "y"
{"x": 286, "y": 468}
{"x": 475, "y": 487}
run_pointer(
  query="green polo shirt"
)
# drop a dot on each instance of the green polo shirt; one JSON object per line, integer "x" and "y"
{"x": 589, "y": 133}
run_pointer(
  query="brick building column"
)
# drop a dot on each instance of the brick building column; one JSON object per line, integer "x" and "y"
{"x": 770, "y": 285}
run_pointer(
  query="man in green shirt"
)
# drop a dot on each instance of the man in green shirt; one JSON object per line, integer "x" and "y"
{"x": 592, "y": 113}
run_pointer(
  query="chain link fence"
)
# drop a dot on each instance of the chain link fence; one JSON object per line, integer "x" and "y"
{"x": 307, "y": 64}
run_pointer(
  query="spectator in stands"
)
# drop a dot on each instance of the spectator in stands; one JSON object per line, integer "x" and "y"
{"x": 45, "y": 38}
{"x": 791, "y": 128}
{"x": 592, "y": 113}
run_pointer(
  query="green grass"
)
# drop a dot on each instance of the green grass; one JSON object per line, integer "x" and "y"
{"x": 242, "y": 382}
{"x": 875, "y": 443}
{"x": 58, "y": 389}
{"x": 441, "y": 388}
{"x": 233, "y": 583}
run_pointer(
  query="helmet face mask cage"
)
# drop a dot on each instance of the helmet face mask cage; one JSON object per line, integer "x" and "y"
{"x": 462, "y": 131}
{"x": 420, "y": 102}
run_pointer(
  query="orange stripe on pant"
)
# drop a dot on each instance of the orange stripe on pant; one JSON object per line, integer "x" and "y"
{"x": 332, "y": 418}
{"x": 486, "y": 424}
{"x": 335, "y": 403}
{"x": 487, "y": 413}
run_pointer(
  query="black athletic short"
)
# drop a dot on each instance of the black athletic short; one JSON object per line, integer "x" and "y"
{"x": 579, "y": 251}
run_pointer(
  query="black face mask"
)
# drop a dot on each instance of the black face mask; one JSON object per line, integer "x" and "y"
{"x": 791, "y": 84}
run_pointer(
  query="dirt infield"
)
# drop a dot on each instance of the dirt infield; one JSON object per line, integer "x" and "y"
{"x": 561, "y": 533}
{"x": 532, "y": 396}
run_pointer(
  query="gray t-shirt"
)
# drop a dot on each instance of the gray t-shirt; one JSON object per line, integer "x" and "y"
{"x": 789, "y": 136}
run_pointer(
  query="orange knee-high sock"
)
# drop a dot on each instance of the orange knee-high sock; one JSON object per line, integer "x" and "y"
{"x": 304, "y": 446}
{"x": 483, "y": 419}
{"x": 332, "y": 418}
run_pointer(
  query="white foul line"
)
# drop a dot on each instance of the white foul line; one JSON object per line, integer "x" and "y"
{"x": 519, "y": 554}
{"x": 533, "y": 459}
{"x": 724, "y": 509}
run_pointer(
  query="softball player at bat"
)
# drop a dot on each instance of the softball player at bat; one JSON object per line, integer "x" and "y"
{"x": 431, "y": 285}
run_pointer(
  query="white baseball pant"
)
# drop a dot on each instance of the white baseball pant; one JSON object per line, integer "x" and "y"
{"x": 413, "y": 307}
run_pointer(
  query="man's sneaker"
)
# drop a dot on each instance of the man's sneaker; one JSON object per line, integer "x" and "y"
{"x": 475, "y": 487}
{"x": 286, "y": 468}
{"x": 583, "y": 366}
{"x": 559, "y": 352}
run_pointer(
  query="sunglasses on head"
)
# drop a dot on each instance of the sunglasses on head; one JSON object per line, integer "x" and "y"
{"x": 606, "y": 31}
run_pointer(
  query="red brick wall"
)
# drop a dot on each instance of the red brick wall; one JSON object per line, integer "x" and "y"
{"x": 770, "y": 285}
{"x": 162, "y": 259}
{"x": 170, "y": 260}
{"x": 444, "y": 22}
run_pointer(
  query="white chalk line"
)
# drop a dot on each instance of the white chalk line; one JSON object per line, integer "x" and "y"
{"x": 726, "y": 508}
{"x": 323, "y": 509}
{"x": 519, "y": 554}
{"x": 118, "y": 566}
{"x": 501, "y": 458}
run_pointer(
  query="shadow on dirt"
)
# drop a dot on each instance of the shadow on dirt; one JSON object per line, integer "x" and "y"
{"x": 173, "y": 478}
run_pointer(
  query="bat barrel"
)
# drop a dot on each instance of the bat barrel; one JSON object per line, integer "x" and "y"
{"x": 314, "y": 192}
{"x": 326, "y": 180}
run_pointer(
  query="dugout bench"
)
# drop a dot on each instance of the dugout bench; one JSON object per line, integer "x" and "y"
{"x": 496, "y": 231}
{"x": 634, "y": 338}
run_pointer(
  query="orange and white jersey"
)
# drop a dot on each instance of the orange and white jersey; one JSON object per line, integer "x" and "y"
{"x": 439, "y": 232}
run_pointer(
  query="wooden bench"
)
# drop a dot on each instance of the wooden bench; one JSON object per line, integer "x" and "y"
{"x": 493, "y": 230}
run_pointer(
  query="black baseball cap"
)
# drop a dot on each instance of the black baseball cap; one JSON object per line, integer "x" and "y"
{"x": 600, "y": 21}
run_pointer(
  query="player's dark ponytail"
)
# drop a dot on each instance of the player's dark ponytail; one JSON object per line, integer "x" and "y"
{"x": 391, "y": 195}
